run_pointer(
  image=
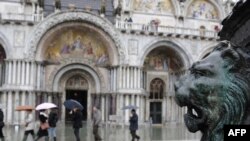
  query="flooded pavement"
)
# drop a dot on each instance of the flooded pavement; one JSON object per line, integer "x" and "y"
{"x": 112, "y": 133}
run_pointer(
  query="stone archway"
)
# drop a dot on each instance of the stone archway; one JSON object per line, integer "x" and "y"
{"x": 182, "y": 55}
{"x": 35, "y": 44}
{"x": 167, "y": 61}
{"x": 91, "y": 85}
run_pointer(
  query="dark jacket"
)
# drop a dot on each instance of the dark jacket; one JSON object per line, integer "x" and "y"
{"x": 77, "y": 119}
{"x": 53, "y": 118}
{"x": 133, "y": 122}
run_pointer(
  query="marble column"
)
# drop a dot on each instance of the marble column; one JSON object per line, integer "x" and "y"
{"x": 137, "y": 101}
{"x": 115, "y": 79}
{"x": 118, "y": 109}
{"x": 132, "y": 78}
{"x": 16, "y": 103}
{"x": 120, "y": 77}
{"x": 132, "y": 99}
{"x": 23, "y": 98}
{"x": 19, "y": 72}
{"x": 142, "y": 108}
{"x": 136, "y": 78}
{"x": 128, "y": 77}
{"x": 147, "y": 108}
{"x": 103, "y": 107}
{"x": 122, "y": 111}
{"x": 139, "y": 78}
{"x": 7, "y": 72}
{"x": 32, "y": 74}
{"x": 4, "y": 102}
{"x": 163, "y": 109}
{"x": 10, "y": 72}
{"x": 38, "y": 76}
{"x": 126, "y": 111}
{"x": 9, "y": 107}
{"x": 23, "y": 73}
{"x": 124, "y": 77}
{"x": 27, "y": 82}
{"x": 14, "y": 72}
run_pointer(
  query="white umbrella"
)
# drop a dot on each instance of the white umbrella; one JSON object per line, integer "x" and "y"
{"x": 45, "y": 106}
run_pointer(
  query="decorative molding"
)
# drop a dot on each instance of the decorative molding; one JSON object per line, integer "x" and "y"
{"x": 67, "y": 63}
{"x": 132, "y": 47}
{"x": 19, "y": 38}
{"x": 76, "y": 16}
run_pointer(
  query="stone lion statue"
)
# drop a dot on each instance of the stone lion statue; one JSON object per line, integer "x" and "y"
{"x": 216, "y": 91}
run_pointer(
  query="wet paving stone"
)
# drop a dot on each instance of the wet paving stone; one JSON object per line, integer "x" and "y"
{"x": 112, "y": 133}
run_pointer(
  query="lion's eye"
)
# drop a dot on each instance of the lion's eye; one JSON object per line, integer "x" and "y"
{"x": 200, "y": 73}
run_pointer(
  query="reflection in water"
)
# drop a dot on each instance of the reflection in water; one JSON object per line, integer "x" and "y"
{"x": 158, "y": 133}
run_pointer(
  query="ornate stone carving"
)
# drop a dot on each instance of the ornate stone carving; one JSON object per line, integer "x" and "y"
{"x": 76, "y": 16}
{"x": 68, "y": 62}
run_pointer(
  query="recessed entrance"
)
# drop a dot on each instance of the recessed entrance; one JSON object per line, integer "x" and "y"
{"x": 80, "y": 96}
{"x": 155, "y": 112}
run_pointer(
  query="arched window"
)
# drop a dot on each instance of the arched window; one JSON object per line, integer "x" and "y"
{"x": 156, "y": 89}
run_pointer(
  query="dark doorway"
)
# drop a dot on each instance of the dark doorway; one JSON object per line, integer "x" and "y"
{"x": 155, "y": 112}
{"x": 82, "y": 97}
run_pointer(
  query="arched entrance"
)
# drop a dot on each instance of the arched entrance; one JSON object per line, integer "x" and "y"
{"x": 163, "y": 63}
{"x": 156, "y": 96}
{"x": 77, "y": 89}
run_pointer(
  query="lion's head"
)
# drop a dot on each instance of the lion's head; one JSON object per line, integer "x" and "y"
{"x": 215, "y": 92}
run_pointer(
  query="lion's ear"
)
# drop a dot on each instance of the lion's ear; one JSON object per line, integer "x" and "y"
{"x": 231, "y": 58}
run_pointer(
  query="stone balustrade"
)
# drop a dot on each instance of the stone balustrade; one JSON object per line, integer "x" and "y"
{"x": 165, "y": 30}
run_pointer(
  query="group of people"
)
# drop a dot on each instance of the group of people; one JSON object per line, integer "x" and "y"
{"x": 47, "y": 128}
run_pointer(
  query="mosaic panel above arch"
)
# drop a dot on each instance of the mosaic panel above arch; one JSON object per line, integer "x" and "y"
{"x": 77, "y": 43}
{"x": 153, "y": 6}
{"x": 77, "y": 82}
{"x": 163, "y": 59}
{"x": 203, "y": 9}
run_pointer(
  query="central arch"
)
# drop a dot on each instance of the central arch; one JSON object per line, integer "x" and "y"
{"x": 81, "y": 91}
{"x": 83, "y": 17}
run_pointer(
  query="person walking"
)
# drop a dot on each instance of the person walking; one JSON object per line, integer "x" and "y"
{"x": 97, "y": 118}
{"x": 133, "y": 120}
{"x": 53, "y": 118}
{"x": 1, "y": 125}
{"x": 29, "y": 125}
{"x": 43, "y": 129}
{"x": 77, "y": 122}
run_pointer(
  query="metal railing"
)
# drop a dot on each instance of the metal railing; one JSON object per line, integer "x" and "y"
{"x": 165, "y": 29}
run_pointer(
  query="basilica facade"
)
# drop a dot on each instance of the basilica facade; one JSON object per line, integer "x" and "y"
{"x": 107, "y": 53}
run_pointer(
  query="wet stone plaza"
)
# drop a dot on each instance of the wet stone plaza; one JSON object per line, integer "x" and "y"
{"x": 112, "y": 133}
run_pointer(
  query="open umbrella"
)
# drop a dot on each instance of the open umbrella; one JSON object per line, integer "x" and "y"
{"x": 45, "y": 105}
{"x": 71, "y": 104}
{"x": 129, "y": 107}
{"x": 24, "y": 108}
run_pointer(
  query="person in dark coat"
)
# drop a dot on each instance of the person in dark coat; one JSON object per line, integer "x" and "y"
{"x": 97, "y": 119}
{"x": 1, "y": 125}
{"x": 77, "y": 122}
{"x": 43, "y": 118}
{"x": 133, "y": 120}
{"x": 53, "y": 118}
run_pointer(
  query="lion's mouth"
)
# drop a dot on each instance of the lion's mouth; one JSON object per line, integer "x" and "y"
{"x": 194, "y": 112}
{"x": 194, "y": 118}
